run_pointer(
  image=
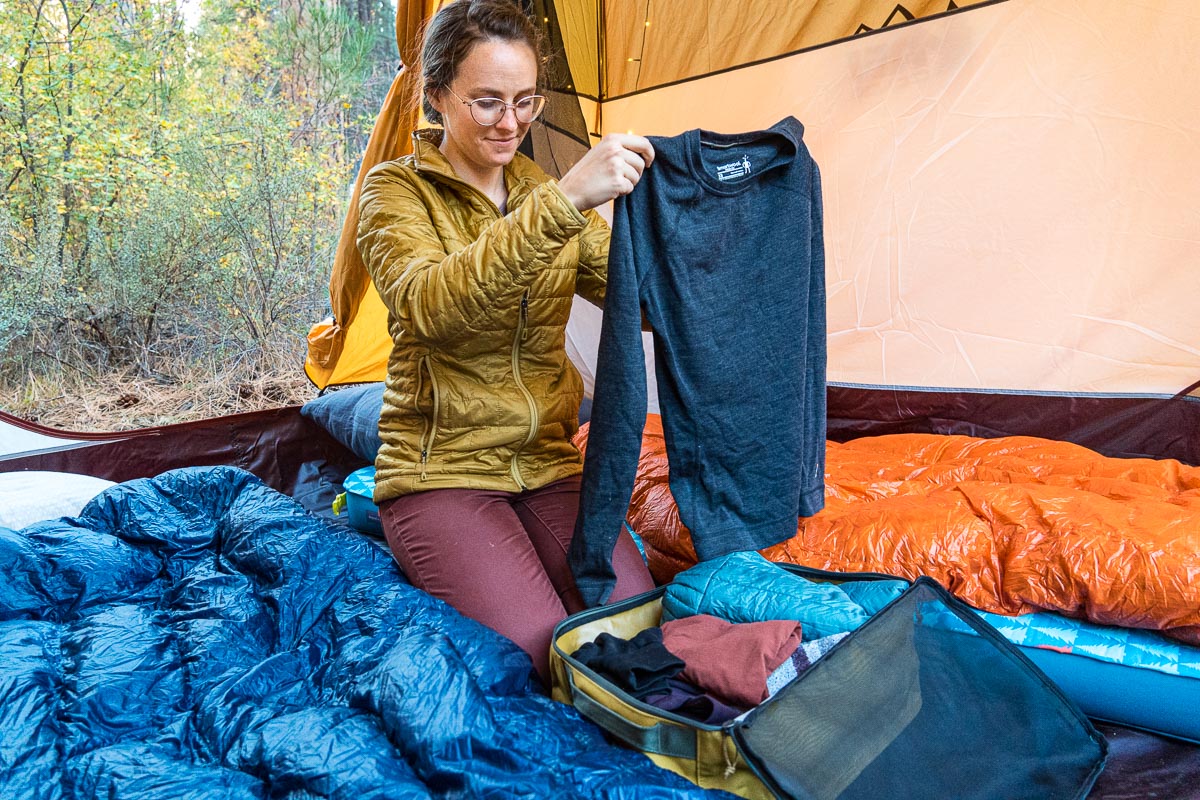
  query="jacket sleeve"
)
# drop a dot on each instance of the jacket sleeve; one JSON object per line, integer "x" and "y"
{"x": 592, "y": 279}
{"x": 439, "y": 296}
{"x": 618, "y": 417}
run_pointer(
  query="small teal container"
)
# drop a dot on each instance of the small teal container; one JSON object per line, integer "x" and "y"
{"x": 360, "y": 488}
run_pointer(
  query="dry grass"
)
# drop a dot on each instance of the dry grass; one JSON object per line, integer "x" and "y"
{"x": 121, "y": 400}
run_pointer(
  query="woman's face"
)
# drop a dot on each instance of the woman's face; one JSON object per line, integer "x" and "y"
{"x": 493, "y": 68}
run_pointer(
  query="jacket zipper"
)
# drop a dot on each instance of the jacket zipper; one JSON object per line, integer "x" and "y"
{"x": 464, "y": 186}
{"x": 429, "y": 424}
{"x": 514, "y": 468}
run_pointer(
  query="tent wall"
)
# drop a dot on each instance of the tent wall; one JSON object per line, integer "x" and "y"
{"x": 287, "y": 451}
{"x": 629, "y": 47}
{"x": 1010, "y": 213}
{"x": 1010, "y": 193}
{"x": 1122, "y": 426}
{"x": 357, "y": 326}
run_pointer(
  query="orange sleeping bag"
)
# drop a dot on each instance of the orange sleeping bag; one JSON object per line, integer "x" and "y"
{"x": 1009, "y": 525}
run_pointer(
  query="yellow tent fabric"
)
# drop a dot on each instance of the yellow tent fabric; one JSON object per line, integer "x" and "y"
{"x": 1010, "y": 202}
{"x": 614, "y": 47}
{"x": 647, "y": 45}
{"x": 353, "y": 345}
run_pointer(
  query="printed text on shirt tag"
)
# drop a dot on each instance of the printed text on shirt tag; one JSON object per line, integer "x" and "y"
{"x": 736, "y": 169}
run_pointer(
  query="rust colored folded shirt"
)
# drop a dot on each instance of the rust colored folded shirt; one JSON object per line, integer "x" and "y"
{"x": 731, "y": 661}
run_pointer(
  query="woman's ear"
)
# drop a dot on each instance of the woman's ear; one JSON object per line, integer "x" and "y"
{"x": 434, "y": 96}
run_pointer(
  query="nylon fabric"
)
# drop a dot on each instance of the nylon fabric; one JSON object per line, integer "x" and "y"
{"x": 357, "y": 324}
{"x": 745, "y": 587}
{"x": 1010, "y": 525}
{"x": 480, "y": 393}
{"x": 642, "y": 40}
{"x": 198, "y": 636}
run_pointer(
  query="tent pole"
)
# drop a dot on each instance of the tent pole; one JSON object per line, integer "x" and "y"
{"x": 601, "y": 67}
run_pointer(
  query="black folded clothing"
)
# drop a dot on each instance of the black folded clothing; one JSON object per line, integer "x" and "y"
{"x": 693, "y": 702}
{"x": 640, "y": 666}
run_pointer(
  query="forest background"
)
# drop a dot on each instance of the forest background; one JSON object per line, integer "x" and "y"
{"x": 174, "y": 182}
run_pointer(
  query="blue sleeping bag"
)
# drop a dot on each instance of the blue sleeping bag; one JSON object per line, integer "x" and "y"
{"x": 198, "y": 635}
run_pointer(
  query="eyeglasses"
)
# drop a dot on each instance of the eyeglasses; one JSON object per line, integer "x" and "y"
{"x": 488, "y": 111}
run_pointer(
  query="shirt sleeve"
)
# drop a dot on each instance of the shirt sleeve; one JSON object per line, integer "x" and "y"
{"x": 618, "y": 417}
{"x": 812, "y": 496}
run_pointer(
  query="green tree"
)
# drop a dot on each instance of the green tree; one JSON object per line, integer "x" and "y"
{"x": 174, "y": 192}
{"x": 81, "y": 94}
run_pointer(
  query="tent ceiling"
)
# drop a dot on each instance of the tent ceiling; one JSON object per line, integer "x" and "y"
{"x": 653, "y": 43}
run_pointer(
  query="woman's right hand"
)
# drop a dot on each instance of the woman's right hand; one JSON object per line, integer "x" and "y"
{"x": 607, "y": 171}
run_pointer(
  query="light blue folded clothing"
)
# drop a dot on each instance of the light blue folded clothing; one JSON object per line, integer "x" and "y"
{"x": 873, "y": 595}
{"x": 745, "y": 587}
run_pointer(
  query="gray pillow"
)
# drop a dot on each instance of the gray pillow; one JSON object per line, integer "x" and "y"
{"x": 350, "y": 415}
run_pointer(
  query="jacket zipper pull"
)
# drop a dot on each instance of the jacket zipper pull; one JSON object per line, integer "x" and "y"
{"x": 424, "y": 459}
{"x": 524, "y": 315}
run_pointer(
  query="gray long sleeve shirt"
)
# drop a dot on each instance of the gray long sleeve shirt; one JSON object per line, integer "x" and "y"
{"x": 721, "y": 247}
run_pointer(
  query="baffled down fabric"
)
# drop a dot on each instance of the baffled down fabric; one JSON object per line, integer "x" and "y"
{"x": 480, "y": 392}
{"x": 745, "y": 587}
{"x": 198, "y": 635}
{"x": 1010, "y": 525}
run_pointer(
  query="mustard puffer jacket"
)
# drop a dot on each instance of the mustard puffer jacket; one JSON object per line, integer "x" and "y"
{"x": 480, "y": 392}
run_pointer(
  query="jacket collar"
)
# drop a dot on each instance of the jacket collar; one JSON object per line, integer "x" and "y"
{"x": 520, "y": 175}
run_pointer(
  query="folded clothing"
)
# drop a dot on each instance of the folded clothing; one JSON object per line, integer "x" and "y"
{"x": 745, "y": 587}
{"x": 641, "y": 665}
{"x": 871, "y": 595}
{"x": 731, "y": 661}
{"x": 692, "y": 702}
{"x": 804, "y": 657}
{"x": 736, "y": 629}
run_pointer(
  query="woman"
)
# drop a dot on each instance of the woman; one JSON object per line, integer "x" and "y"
{"x": 477, "y": 253}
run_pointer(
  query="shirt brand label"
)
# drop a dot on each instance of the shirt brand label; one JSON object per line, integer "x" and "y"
{"x": 734, "y": 170}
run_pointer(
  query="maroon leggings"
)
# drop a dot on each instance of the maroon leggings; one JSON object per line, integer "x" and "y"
{"x": 501, "y": 558}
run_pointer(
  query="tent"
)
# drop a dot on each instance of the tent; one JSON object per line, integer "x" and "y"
{"x": 1010, "y": 207}
{"x": 1009, "y": 187}
{"x": 1011, "y": 223}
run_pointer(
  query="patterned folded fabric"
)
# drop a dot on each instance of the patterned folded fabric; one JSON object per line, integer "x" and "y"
{"x": 804, "y": 657}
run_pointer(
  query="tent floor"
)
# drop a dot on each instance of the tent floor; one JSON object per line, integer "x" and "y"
{"x": 297, "y": 457}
